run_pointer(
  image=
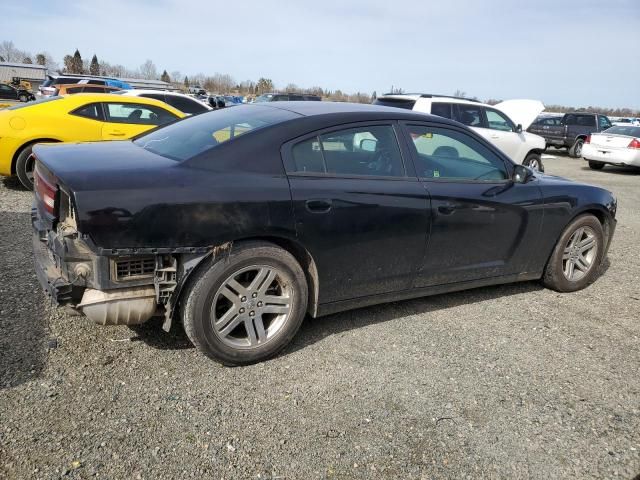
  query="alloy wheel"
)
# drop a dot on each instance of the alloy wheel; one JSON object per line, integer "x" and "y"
{"x": 579, "y": 254}
{"x": 251, "y": 307}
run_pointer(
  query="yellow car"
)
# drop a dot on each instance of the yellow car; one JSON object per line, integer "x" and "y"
{"x": 73, "y": 118}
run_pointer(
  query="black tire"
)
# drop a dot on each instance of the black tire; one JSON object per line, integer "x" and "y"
{"x": 199, "y": 297}
{"x": 23, "y": 98}
{"x": 534, "y": 161}
{"x": 24, "y": 167}
{"x": 576, "y": 150}
{"x": 596, "y": 165}
{"x": 554, "y": 276}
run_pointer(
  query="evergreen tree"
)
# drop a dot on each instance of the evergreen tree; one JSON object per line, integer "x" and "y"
{"x": 27, "y": 60}
{"x": 165, "y": 77}
{"x": 186, "y": 81}
{"x": 41, "y": 59}
{"x": 94, "y": 68}
{"x": 77, "y": 62}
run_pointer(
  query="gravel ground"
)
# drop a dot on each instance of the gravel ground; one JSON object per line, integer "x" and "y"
{"x": 503, "y": 382}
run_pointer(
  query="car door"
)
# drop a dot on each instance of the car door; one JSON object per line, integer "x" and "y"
{"x": 502, "y": 133}
{"x": 83, "y": 124}
{"x": 482, "y": 223}
{"x": 363, "y": 217}
{"x": 7, "y": 92}
{"x": 125, "y": 120}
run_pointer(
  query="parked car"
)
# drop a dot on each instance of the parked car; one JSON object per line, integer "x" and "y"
{"x": 239, "y": 222}
{"x": 216, "y": 102}
{"x": 623, "y": 122}
{"x": 285, "y": 97}
{"x": 73, "y": 88}
{"x": 502, "y": 128}
{"x": 546, "y": 120}
{"x": 9, "y": 92}
{"x": 572, "y": 130}
{"x": 184, "y": 103}
{"x": 615, "y": 146}
{"x": 73, "y": 118}
{"x": 48, "y": 87}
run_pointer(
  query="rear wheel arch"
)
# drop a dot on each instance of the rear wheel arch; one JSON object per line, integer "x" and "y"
{"x": 301, "y": 255}
{"x": 26, "y": 145}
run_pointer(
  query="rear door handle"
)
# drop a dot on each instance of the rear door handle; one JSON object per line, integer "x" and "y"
{"x": 447, "y": 208}
{"x": 322, "y": 205}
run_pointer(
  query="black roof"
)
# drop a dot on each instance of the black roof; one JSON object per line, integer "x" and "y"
{"x": 309, "y": 109}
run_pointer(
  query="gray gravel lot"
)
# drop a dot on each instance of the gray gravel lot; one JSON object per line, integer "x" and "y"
{"x": 503, "y": 382}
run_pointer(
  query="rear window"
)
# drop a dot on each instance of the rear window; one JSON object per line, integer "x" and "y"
{"x": 624, "y": 130}
{"x": 406, "y": 103}
{"x": 194, "y": 135}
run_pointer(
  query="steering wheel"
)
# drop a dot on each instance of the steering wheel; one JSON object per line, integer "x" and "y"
{"x": 382, "y": 161}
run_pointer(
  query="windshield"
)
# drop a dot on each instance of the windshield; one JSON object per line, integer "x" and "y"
{"x": 629, "y": 131}
{"x": 33, "y": 104}
{"x": 187, "y": 138}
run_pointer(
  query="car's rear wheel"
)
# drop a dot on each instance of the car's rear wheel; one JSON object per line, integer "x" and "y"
{"x": 25, "y": 164}
{"x": 534, "y": 162}
{"x": 596, "y": 165}
{"x": 24, "y": 98}
{"x": 576, "y": 150}
{"x": 247, "y": 306}
{"x": 577, "y": 256}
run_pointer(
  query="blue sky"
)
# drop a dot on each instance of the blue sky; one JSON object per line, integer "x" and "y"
{"x": 567, "y": 52}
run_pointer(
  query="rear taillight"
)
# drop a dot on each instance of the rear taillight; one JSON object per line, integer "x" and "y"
{"x": 46, "y": 191}
{"x": 635, "y": 143}
{"x": 588, "y": 139}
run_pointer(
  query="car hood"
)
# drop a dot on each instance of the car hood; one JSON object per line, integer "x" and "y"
{"x": 522, "y": 112}
{"x": 83, "y": 166}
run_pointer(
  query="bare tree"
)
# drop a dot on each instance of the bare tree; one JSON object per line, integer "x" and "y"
{"x": 460, "y": 93}
{"x": 148, "y": 70}
{"x": 9, "y": 52}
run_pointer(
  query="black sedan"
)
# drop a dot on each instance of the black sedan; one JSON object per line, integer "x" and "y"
{"x": 240, "y": 222}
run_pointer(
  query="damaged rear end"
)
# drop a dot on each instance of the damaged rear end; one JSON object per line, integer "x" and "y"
{"x": 71, "y": 271}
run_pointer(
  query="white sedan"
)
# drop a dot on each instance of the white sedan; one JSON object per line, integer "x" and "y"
{"x": 615, "y": 146}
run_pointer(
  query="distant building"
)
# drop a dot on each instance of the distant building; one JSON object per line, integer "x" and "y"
{"x": 36, "y": 74}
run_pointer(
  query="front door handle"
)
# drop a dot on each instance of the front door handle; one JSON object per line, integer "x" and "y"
{"x": 117, "y": 134}
{"x": 322, "y": 205}
{"x": 447, "y": 208}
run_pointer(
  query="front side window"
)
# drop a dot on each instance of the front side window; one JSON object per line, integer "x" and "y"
{"x": 137, "y": 114}
{"x": 604, "y": 122}
{"x": 444, "y": 154}
{"x": 360, "y": 151}
{"x": 498, "y": 121}
{"x": 470, "y": 115}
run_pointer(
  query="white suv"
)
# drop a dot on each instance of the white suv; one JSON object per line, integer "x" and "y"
{"x": 492, "y": 122}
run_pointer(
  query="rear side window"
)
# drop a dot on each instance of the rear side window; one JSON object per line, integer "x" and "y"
{"x": 470, "y": 115}
{"x": 137, "y": 114}
{"x": 186, "y": 105}
{"x": 91, "y": 111}
{"x": 360, "y": 151}
{"x": 441, "y": 109}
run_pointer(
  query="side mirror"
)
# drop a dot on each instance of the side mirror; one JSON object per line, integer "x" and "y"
{"x": 368, "y": 145}
{"x": 521, "y": 174}
{"x": 519, "y": 128}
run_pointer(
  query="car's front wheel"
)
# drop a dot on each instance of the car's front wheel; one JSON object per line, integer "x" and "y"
{"x": 247, "y": 306}
{"x": 596, "y": 165}
{"x": 577, "y": 256}
{"x": 534, "y": 162}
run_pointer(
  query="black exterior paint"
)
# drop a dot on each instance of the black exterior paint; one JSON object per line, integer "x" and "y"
{"x": 381, "y": 238}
